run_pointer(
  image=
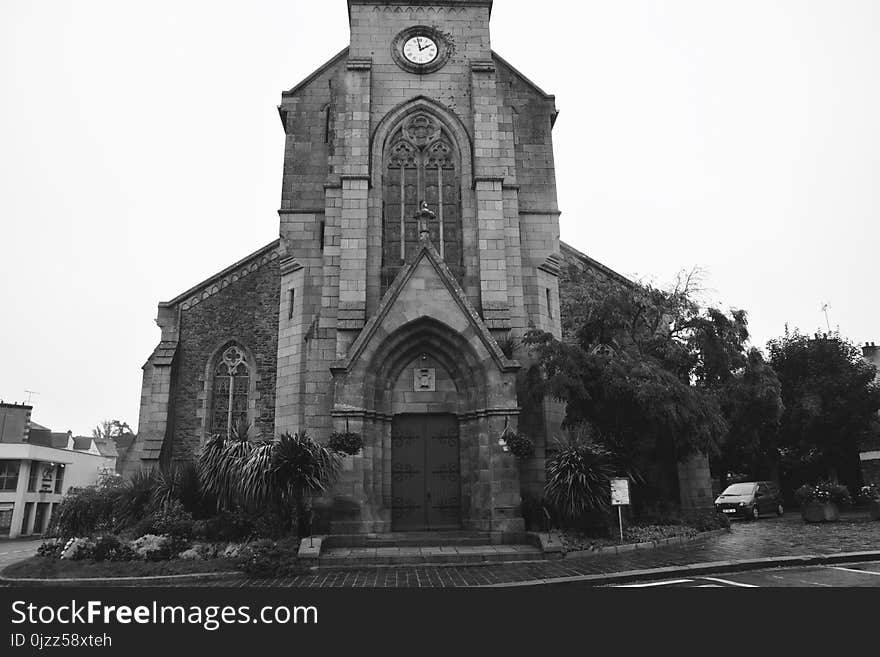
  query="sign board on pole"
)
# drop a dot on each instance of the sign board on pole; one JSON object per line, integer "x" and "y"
{"x": 620, "y": 492}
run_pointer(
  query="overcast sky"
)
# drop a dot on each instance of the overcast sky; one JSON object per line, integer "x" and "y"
{"x": 141, "y": 152}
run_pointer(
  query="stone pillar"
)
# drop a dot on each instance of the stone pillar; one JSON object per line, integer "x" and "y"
{"x": 355, "y": 140}
{"x": 695, "y": 483}
{"x": 19, "y": 504}
{"x": 507, "y": 522}
{"x": 493, "y": 167}
{"x": 291, "y": 354}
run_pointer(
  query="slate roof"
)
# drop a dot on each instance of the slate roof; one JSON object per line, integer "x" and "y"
{"x": 106, "y": 447}
{"x": 82, "y": 443}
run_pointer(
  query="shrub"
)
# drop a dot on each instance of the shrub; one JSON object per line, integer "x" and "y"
{"x": 869, "y": 493}
{"x": 345, "y": 442}
{"x": 179, "y": 483}
{"x": 52, "y": 548}
{"x": 135, "y": 498}
{"x": 824, "y": 491}
{"x": 152, "y": 547}
{"x": 266, "y": 558}
{"x": 173, "y": 520}
{"x": 705, "y": 521}
{"x": 109, "y": 547}
{"x": 200, "y": 551}
{"x": 84, "y": 511}
{"x": 225, "y": 526}
{"x": 653, "y": 533}
{"x": 578, "y": 475}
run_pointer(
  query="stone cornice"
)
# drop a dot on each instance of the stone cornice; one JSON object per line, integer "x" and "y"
{"x": 368, "y": 414}
{"x": 213, "y": 285}
{"x": 284, "y": 211}
{"x": 359, "y": 64}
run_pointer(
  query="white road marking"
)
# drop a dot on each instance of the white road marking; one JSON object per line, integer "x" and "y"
{"x": 641, "y": 586}
{"x": 730, "y": 583}
{"x": 855, "y": 570}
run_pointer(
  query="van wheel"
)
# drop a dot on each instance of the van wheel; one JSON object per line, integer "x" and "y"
{"x": 756, "y": 513}
{"x": 779, "y": 510}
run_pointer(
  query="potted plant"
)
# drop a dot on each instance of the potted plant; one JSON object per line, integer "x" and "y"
{"x": 518, "y": 444}
{"x": 822, "y": 502}
{"x": 870, "y": 496}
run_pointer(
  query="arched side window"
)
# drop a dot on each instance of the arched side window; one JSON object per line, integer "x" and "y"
{"x": 421, "y": 164}
{"x": 229, "y": 392}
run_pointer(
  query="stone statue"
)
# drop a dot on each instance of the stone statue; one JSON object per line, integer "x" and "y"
{"x": 425, "y": 216}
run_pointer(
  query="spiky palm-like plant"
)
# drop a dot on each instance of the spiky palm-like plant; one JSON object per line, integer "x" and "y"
{"x": 275, "y": 476}
{"x": 220, "y": 466}
{"x": 134, "y": 499}
{"x": 301, "y": 467}
{"x": 578, "y": 476}
{"x": 179, "y": 482}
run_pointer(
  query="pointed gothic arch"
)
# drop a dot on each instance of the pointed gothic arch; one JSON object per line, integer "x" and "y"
{"x": 421, "y": 152}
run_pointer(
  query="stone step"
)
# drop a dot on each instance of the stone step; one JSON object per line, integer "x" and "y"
{"x": 434, "y": 555}
{"x": 409, "y": 539}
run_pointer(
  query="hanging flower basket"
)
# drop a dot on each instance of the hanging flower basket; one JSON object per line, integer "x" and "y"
{"x": 518, "y": 444}
{"x": 345, "y": 442}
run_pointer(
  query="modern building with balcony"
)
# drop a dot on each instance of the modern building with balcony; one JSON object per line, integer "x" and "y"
{"x": 38, "y": 467}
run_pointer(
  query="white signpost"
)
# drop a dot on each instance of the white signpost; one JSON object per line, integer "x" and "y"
{"x": 620, "y": 498}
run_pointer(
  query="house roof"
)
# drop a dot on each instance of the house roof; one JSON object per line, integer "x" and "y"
{"x": 106, "y": 447}
{"x": 47, "y": 438}
{"x": 82, "y": 443}
{"x": 38, "y": 427}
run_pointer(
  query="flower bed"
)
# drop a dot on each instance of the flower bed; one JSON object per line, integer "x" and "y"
{"x": 110, "y": 555}
{"x": 576, "y": 542}
{"x": 47, "y": 568}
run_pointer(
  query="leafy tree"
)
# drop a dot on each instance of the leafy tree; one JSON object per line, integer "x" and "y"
{"x": 831, "y": 401}
{"x": 656, "y": 376}
{"x": 628, "y": 366}
{"x": 752, "y": 404}
{"x": 111, "y": 430}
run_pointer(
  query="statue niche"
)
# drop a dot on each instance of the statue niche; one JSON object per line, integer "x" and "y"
{"x": 421, "y": 165}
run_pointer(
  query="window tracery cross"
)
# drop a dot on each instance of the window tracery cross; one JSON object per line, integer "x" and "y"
{"x": 230, "y": 392}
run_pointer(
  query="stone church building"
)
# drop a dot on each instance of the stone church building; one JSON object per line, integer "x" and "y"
{"x": 419, "y": 228}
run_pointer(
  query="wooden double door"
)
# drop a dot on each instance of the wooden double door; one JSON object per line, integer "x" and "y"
{"x": 425, "y": 473}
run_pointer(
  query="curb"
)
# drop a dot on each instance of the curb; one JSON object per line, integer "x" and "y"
{"x": 157, "y": 580}
{"x": 649, "y": 545}
{"x": 707, "y": 568}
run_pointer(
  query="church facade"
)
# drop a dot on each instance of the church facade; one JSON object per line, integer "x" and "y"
{"x": 419, "y": 232}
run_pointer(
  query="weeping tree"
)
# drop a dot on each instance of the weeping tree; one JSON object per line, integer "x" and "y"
{"x": 278, "y": 476}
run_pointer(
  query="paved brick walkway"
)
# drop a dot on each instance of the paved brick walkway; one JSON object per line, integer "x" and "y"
{"x": 769, "y": 537}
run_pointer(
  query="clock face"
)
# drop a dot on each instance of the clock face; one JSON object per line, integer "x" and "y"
{"x": 420, "y": 50}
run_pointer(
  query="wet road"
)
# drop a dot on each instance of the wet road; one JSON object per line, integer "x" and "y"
{"x": 12, "y": 551}
{"x": 866, "y": 574}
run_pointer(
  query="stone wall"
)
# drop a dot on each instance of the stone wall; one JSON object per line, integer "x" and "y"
{"x": 246, "y": 311}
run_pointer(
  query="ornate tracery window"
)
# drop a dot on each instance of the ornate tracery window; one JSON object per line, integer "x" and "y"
{"x": 229, "y": 393}
{"x": 421, "y": 164}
